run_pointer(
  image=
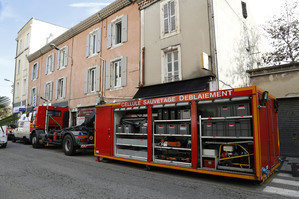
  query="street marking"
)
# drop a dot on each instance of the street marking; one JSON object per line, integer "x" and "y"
{"x": 280, "y": 191}
{"x": 284, "y": 175}
{"x": 287, "y": 182}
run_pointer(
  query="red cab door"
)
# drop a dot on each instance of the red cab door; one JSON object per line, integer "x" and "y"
{"x": 104, "y": 131}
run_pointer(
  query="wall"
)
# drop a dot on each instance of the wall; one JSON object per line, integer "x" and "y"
{"x": 233, "y": 56}
{"x": 193, "y": 39}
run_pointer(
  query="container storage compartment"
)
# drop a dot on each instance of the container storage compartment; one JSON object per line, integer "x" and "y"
{"x": 143, "y": 129}
{"x": 225, "y": 110}
{"x": 242, "y": 109}
{"x": 231, "y": 128}
{"x": 243, "y": 128}
{"x": 141, "y": 153}
{"x": 128, "y": 128}
{"x": 184, "y": 129}
{"x": 161, "y": 129}
{"x": 207, "y": 129}
{"x": 172, "y": 128}
{"x": 119, "y": 129}
{"x": 219, "y": 129}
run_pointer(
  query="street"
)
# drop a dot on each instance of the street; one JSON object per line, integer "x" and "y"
{"x": 47, "y": 173}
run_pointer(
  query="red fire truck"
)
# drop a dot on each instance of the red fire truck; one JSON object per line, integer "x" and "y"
{"x": 49, "y": 126}
{"x": 230, "y": 133}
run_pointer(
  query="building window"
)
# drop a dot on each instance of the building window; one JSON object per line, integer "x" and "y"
{"x": 117, "y": 31}
{"x": 171, "y": 68}
{"x": 50, "y": 63}
{"x": 60, "y": 88}
{"x": 169, "y": 18}
{"x": 33, "y": 96}
{"x": 48, "y": 91}
{"x": 24, "y": 88}
{"x": 92, "y": 80}
{"x": 34, "y": 74}
{"x": 116, "y": 73}
{"x": 62, "y": 57}
{"x": 93, "y": 42}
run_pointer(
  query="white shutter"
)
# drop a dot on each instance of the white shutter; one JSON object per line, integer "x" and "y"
{"x": 51, "y": 91}
{"x": 98, "y": 78}
{"x": 64, "y": 87}
{"x": 99, "y": 39}
{"x": 47, "y": 63}
{"x": 124, "y": 25}
{"x": 56, "y": 90}
{"x": 36, "y": 74}
{"x": 53, "y": 61}
{"x": 109, "y": 36}
{"x": 108, "y": 67}
{"x": 30, "y": 99}
{"x": 166, "y": 18}
{"x": 87, "y": 45}
{"x": 124, "y": 71}
{"x": 66, "y": 56}
{"x": 172, "y": 16}
{"x": 32, "y": 72}
{"x": 59, "y": 59}
{"x": 86, "y": 82}
{"x": 45, "y": 87}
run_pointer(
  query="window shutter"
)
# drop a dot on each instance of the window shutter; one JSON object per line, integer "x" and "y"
{"x": 66, "y": 56}
{"x": 166, "y": 18}
{"x": 56, "y": 90}
{"x": 32, "y": 72}
{"x": 124, "y": 71}
{"x": 108, "y": 69}
{"x": 51, "y": 91}
{"x": 64, "y": 87}
{"x": 30, "y": 99}
{"x": 47, "y": 63}
{"x": 172, "y": 16}
{"x": 45, "y": 87}
{"x": 99, "y": 40}
{"x": 53, "y": 61}
{"x": 86, "y": 82}
{"x": 124, "y": 25}
{"x": 87, "y": 45}
{"x": 58, "y": 60}
{"x": 98, "y": 78}
{"x": 109, "y": 39}
{"x": 36, "y": 71}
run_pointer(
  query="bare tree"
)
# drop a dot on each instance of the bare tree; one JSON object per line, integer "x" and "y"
{"x": 283, "y": 33}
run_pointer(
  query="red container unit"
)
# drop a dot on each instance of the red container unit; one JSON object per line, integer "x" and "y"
{"x": 229, "y": 133}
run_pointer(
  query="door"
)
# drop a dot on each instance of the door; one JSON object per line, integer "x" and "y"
{"x": 104, "y": 131}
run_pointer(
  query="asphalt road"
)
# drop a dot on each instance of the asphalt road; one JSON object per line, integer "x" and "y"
{"x": 47, "y": 173}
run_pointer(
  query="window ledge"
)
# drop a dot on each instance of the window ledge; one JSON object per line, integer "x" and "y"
{"x": 116, "y": 88}
{"x": 116, "y": 45}
{"x": 93, "y": 55}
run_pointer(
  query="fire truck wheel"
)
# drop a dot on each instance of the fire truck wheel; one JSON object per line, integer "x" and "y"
{"x": 68, "y": 146}
{"x": 35, "y": 143}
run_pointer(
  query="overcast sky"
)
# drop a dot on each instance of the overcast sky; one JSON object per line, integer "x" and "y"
{"x": 14, "y": 14}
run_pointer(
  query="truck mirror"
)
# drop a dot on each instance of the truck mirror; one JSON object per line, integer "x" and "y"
{"x": 276, "y": 106}
{"x": 264, "y": 99}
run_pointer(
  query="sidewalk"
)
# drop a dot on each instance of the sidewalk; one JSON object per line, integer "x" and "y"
{"x": 286, "y": 164}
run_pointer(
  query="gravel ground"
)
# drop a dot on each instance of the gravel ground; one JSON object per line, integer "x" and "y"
{"x": 47, "y": 173}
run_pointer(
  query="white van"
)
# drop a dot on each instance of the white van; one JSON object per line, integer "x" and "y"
{"x": 22, "y": 132}
{"x": 3, "y": 138}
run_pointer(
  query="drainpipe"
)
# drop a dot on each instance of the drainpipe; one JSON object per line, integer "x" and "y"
{"x": 215, "y": 45}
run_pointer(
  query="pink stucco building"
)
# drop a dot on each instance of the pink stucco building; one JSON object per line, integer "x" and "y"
{"x": 95, "y": 61}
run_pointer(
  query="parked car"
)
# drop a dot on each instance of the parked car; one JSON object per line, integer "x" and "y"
{"x": 22, "y": 132}
{"x": 3, "y": 138}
